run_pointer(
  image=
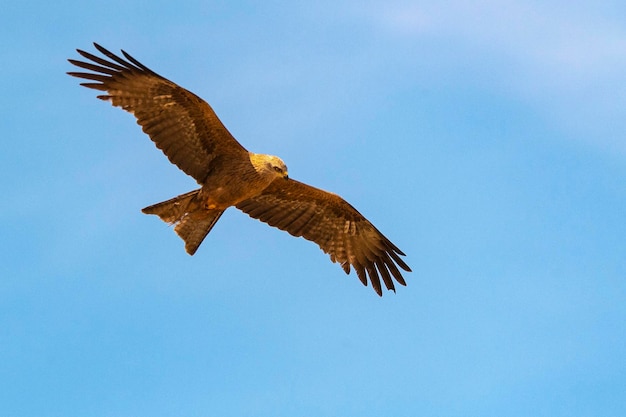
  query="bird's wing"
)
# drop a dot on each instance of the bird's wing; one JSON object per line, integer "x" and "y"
{"x": 180, "y": 123}
{"x": 337, "y": 227}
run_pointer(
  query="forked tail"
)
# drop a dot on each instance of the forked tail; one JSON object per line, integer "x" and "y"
{"x": 192, "y": 222}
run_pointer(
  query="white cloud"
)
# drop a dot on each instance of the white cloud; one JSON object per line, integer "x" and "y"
{"x": 549, "y": 36}
{"x": 568, "y": 60}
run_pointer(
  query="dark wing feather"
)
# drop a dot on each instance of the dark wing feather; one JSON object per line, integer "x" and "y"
{"x": 180, "y": 123}
{"x": 337, "y": 227}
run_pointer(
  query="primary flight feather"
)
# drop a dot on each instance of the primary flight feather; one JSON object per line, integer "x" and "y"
{"x": 192, "y": 137}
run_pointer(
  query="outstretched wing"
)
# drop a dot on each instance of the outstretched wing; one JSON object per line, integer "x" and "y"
{"x": 180, "y": 123}
{"x": 337, "y": 227}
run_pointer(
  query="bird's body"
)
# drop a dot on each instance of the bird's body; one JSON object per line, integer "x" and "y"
{"x": 253, "y": 174}
{"x": 195, "y": 213}
{"x": 190, "y": 134}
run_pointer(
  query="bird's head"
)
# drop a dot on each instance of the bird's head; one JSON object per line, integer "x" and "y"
{"x": 278, "y": 166}
{"x": 269, "y": 165}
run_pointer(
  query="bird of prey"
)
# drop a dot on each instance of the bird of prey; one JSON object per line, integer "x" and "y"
{"x": 189, "y": 133}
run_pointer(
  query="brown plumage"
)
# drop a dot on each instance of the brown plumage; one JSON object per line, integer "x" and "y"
{"x": 192, "y": 137}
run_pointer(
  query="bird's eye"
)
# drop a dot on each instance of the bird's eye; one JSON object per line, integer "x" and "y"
{"x": 278, "y": 169}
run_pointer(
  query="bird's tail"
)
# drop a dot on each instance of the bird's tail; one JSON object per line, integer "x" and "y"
{"x": 192, "y": 222}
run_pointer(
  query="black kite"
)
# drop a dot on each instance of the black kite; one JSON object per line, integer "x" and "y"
{"x": 189, "y": 133}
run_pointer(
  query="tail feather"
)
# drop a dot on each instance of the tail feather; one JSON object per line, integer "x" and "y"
{"x": 192, "y": 222}
{"x": 193, "y": 228}
{"x": 171, "y": 211}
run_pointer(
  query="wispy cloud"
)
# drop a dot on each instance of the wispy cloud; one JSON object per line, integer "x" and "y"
{"x": 568, "y": 60}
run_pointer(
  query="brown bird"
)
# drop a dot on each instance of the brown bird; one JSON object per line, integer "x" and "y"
{"x": 192, "y": 137}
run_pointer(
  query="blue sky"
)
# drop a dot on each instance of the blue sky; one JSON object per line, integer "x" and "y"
{"x": 486, "y": 139}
